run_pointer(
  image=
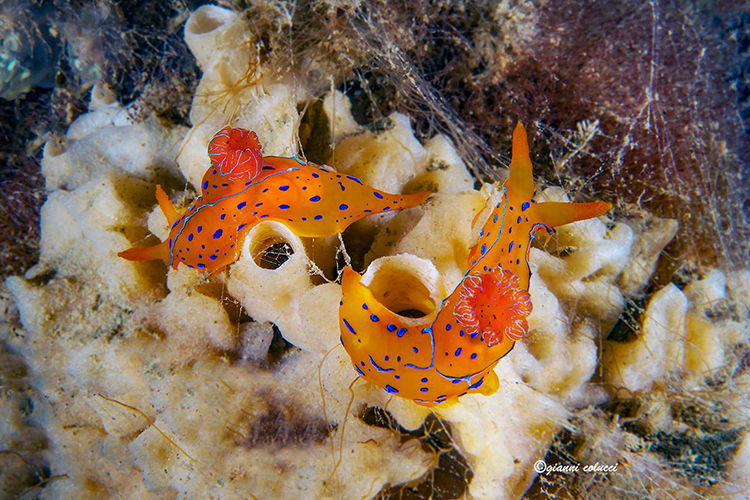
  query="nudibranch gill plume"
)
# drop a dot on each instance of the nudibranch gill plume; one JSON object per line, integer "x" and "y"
{"x": 453, "y": 350}
{"x": 242, "y": 188}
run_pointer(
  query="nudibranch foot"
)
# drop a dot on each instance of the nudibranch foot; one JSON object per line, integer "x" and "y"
{"x": 453, "y": 350}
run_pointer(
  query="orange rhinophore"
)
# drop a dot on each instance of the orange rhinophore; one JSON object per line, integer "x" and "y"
{"x": 453, "y": 350}
{"x": 242, "y": 187}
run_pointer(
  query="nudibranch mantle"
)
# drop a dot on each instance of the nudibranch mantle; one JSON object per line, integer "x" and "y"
{"x": 242, "y": 188}
{"x": 453, "y": 350}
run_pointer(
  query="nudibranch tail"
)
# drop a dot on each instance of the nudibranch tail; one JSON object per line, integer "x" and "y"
{"x": 160, "y": 251}
{"x": 316, "y": 202}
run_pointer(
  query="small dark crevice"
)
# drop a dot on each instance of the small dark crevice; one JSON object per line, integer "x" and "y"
{"x": 279, "y": 348}
{"x": 452, "y": 474}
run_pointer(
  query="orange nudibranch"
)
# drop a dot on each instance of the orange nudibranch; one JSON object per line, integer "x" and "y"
{"x": 242, "y": 188}
{"x": 453, "y": 350}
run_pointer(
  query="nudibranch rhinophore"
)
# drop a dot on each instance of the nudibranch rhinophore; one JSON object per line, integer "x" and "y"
{"x": 452, "y": 351}
{"x": 242, "y": 187}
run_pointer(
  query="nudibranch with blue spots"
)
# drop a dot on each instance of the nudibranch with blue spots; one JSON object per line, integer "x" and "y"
{"x": 242, "y": 188}
{"x": 453, "y": 350}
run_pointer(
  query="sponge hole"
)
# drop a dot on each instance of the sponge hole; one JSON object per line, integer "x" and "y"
{"x": 272, "y": 253}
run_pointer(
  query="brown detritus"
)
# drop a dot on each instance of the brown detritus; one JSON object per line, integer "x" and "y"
{"x": 283, "y": 426}
{"x": 452, "y": 474}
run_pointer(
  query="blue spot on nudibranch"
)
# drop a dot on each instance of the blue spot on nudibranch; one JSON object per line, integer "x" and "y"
{"x": 354, "y": 179}
{"x": 205, "y": 185}
{"x": 218, "y": 234}
{"x": 213, "y": 257}
{"x": 378, "y": 195}
{"x": 424, "y": 380}
{"x": 424, "y": 389}
{"x": 448, "y": 327}
{"x": 190, "y": 237}
{"x": 318, "y": 217}
{"x": 346, "y": 324}
{"x": 201, "y": 266}
{"x": 364, "y": 306}
{"x": 416, "y": 351}
{"x": 525, "y": 205}
{"x": 484, "y": 248}
{"x": 391, "y": 390}
{"x": 401, "y": 332}
{"x": 510, "y": 247}
{"x": 343, "y": 207}
{"x": 374, "y": 318}
{"x": 386, "y": 209}
{"x": 315, "y": 198}
{"x": 199, "y": 229}
{"x": 391, "y": 328}
{"x": 474, "y": 356}
{"x": 241, "y": 227}
{"x": 315, "y": 175}
{"x": 519, "y": 219}
{"x": 342, "y": 186}
{"x": 494, "y": 219}
{"x": 358, "y": 370}
{"x": 223, "y": 216}
{"x": 477, "y": 385}
{"x": 241, "y": 205}
{"x": 283, "y": 188}
{"x": 284, "y": 207}
{"x": 458, "y": 352}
